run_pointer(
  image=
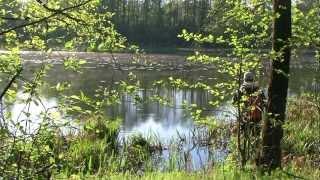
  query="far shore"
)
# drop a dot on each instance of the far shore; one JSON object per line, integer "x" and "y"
{"x": 167, "y": 50}
{"x": 125, "y": 57}
{"x": 96, "y": 56}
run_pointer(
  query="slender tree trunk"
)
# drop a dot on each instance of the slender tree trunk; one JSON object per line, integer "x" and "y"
{"x": 270, "y": 156}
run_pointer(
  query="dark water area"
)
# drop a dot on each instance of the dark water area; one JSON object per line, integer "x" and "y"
{"x": 152, "y": 119}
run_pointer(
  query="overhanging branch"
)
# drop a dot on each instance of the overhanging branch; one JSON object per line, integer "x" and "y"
{"x": 60, "y": 11}
{"x": 55, "y": 13}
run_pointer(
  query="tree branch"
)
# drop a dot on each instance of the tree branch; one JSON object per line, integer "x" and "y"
{"x": 10, "y": 83}
{"x": 14, "y": 19}
{"x": 57, "y": 12}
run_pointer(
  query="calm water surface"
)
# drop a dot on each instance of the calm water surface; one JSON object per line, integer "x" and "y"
{"x": 154, "y": 119}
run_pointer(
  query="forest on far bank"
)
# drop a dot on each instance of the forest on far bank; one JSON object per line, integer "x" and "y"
{"x": 157, "y": 23}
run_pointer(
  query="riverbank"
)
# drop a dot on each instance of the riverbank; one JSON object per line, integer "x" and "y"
{"x": 301, "y": 158}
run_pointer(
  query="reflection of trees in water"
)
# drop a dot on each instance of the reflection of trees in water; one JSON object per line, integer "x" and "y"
{"x": 135, "y": 114}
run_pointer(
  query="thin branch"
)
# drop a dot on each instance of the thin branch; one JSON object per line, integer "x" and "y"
{"x": 14, "y": 19}
{"x": 10, "y": 83}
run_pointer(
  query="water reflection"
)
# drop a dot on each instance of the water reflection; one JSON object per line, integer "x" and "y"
{"x": 27, "y": 117}
{"x": 154, "y": 118}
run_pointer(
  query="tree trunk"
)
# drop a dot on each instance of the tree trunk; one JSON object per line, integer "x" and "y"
{"x": 272, "y": 133}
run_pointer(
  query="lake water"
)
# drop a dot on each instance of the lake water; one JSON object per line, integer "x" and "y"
{"x": 154, "y": 119}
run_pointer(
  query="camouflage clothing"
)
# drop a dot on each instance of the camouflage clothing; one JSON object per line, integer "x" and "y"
{"x": 252, "y": 101}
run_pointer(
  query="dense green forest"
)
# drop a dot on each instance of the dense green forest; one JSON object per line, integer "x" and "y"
{"x": 157, "y": 22}
{"x": 81, "y": 98}
{"x": 151, "y": 22}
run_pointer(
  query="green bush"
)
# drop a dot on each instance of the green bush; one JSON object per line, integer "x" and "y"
{"x": 23, "y": 157}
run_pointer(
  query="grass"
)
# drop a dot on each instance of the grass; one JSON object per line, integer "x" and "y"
{"x": 219, "y": 173}
{"x": 301, "y": 142}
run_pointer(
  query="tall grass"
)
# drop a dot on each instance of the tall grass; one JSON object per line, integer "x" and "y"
{"x": 93, "y": 149}
{"x": 301, "y": 142}
{"x": 302, "y": 128}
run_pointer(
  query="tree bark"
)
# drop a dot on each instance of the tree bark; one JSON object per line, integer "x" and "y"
{"x": 272, "y": 133}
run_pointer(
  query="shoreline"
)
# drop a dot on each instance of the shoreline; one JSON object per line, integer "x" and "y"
{"x": 304, "y": 56}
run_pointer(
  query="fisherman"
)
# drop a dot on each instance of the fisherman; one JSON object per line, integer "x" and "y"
{"x": 250, "y": 98}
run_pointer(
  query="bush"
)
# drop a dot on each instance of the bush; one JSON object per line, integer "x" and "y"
{"x": 38, "y": 156}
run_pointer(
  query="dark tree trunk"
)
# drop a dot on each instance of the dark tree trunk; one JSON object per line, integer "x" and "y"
{"x": 270, "y": 156}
